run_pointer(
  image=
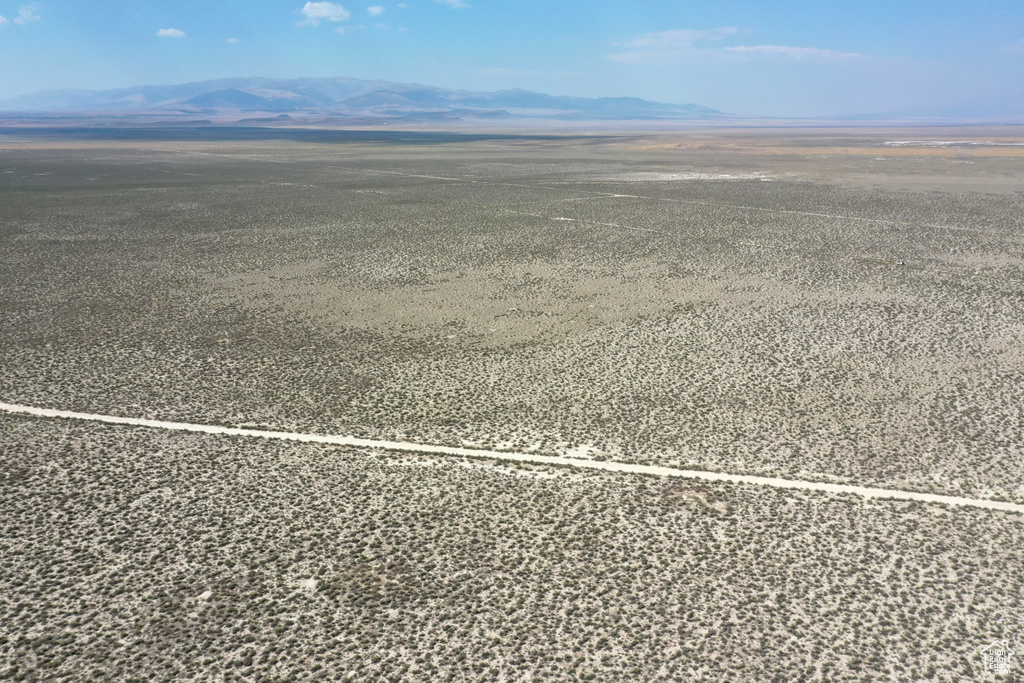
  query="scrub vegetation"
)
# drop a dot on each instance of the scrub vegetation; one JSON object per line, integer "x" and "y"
{"x": 812, "y": 305}
{"x": 139, "y": 554}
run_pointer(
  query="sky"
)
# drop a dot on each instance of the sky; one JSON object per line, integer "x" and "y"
{"x": 753, "y": 57}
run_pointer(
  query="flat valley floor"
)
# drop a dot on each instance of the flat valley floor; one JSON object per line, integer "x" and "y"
{"x": 843, "y": 306}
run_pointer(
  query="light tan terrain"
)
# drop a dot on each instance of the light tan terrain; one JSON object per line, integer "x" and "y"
{"x": 745, "y": 313}
{"x": 834, "y": 306}
{"x": 139, "y": 553}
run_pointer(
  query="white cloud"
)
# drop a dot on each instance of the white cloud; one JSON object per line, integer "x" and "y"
{"x": 26, "y": 14}
{"x": 3, "y": 20}
{"x": 234, "y": 41}
{"x": 1016, "y": 48}
{"x": 678, "y": 38}
{"x": 667, "y": 47}
{"x": 317, "y": 12}
{"x": 375, "y": 10}
{"x": 170, "y": 33}
{"x": 457, "y": 4}
{"x": 795, "y": 52}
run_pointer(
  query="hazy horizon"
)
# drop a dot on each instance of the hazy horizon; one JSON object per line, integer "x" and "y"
{"x": 794, "y": 59}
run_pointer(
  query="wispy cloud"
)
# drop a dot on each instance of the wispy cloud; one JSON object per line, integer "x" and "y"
{"x": 234, "y": 41}
{"x": 3, "y": 20}
{"x": 375, "y": 10}
{"x": 27, "y": 14}
{"x": 316, "y": 13}
{"x": 170, "y": 33}
{"x": 790, "y": 52}
{"x": 677, "y": 45}
{"x": 677, "y": 38}
{"x": 1015, "y": 48}
{"x": 456, "y": 4}
{"x": 665, "y": 47}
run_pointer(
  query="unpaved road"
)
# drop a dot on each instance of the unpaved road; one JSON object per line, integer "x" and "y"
{"x": 865, "y": 491}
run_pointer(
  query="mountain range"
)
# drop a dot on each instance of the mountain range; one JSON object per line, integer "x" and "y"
{"x": 345, "y": 98}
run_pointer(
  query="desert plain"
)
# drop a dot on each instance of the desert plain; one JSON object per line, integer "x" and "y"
{"x": 828, "y": 305}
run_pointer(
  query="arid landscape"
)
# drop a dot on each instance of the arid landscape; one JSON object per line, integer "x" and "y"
{"x": 824, "y": 305}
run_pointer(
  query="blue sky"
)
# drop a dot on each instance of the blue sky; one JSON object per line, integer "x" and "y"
{"x": 771, "y": 57}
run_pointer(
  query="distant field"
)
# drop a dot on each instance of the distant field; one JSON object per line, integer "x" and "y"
{"x": 745, "y": 313}
{"x": 813, "y": 305}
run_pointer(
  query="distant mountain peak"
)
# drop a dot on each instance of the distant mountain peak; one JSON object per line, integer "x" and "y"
{"x": 346, "y": 97}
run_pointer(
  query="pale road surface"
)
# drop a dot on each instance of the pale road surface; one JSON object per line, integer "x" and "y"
{"x": 865, "y": 491}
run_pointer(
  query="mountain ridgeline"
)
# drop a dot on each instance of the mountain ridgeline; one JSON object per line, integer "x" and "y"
{"x": 347, "y": 97}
